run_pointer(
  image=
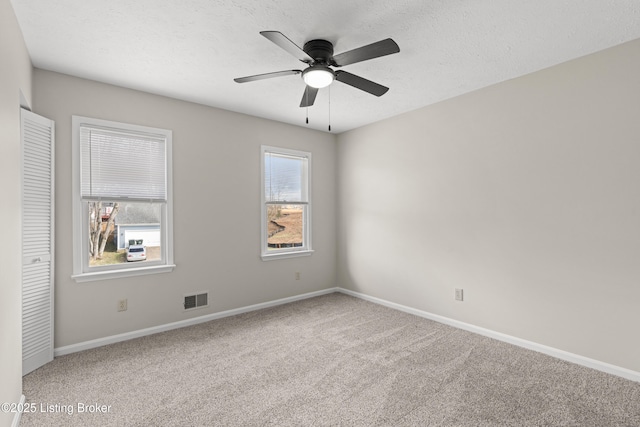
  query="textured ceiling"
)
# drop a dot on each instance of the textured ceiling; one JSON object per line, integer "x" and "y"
{"x": 192, "y": 49}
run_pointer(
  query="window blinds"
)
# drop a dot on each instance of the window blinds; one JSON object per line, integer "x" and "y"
{"x": 118, "y": 165}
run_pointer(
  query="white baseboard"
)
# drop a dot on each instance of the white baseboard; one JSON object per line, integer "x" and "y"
{"x": 554, "y": 352}
{"x": 86, "y": 345}
{"x": 550, "y": 351}
{"x": 18, "y": 414}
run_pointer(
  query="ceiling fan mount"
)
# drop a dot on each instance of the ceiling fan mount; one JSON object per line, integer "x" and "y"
{"x": 320, "y": 50}
{"x": 318, "y": 55}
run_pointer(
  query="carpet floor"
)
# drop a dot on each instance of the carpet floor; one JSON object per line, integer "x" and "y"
{"x": 332, "y": 360}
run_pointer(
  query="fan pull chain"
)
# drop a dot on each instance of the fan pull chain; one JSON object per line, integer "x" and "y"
{"x": 306, "y": 94}
{"x": 329, "y": 108}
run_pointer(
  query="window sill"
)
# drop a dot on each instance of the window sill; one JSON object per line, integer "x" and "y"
{"x": 116, "y": 274}
{"x": 281, "y": 255}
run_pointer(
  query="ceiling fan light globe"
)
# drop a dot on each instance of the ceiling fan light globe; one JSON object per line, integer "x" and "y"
{"x": 318, "y": 77}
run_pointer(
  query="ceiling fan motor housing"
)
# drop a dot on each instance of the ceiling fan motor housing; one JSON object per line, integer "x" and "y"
{"x": 320, "y": 50}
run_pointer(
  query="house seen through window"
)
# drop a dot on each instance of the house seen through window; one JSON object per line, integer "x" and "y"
{"x": 121, "y": 232}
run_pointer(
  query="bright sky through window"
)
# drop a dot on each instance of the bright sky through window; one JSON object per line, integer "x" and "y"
{"x": 283, "y": 178}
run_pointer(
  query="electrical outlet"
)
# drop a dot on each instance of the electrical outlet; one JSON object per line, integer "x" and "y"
{"x": 122, "y": 305}
{"x": 297, "y": 275}
{"x": 459, "y": 295}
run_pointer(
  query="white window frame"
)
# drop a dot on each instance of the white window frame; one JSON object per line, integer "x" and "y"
{"x": 81, "y": 270}
{"x": 306, "y": 248}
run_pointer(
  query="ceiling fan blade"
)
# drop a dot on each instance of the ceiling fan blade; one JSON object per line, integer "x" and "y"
{"x": 361, "y": 83}
{"x": 373, "y": 50}
{"x": 266, "y": 76}
{"x": 309, "y": 96}
{"x": 281, "y": 40}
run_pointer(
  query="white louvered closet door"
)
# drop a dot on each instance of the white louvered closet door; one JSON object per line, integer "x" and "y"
{"x": 37, "y": 240}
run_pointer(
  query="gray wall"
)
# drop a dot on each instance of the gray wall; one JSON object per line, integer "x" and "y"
{"x": 216, "y": 182}
{"x": 15, "y": 77}
{"x": 525, "y": 194}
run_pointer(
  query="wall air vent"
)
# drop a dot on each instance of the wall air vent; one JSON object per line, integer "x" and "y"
{"x": 196, "y": 300}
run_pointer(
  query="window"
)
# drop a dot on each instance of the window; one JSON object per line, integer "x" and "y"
{"x": 286, "y": 203}
{"x": 122, "y": 201}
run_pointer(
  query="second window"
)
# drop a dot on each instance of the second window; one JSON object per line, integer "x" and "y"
{"x": 286, "y": 202}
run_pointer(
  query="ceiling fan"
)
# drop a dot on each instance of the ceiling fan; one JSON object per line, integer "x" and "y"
{"x": 318, "y": 55}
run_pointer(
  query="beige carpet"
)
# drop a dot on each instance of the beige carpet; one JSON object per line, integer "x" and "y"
{"x": 333, "y": 360}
